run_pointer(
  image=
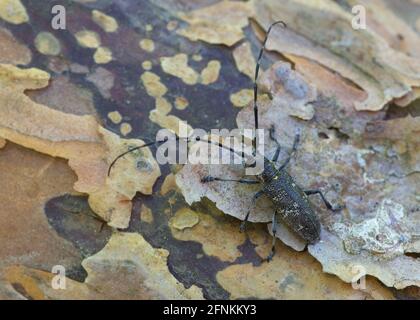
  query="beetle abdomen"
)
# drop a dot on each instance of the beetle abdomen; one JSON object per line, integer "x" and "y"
{"x": 293, "y": 206}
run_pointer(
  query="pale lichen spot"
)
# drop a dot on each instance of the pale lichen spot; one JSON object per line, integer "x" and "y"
{"x": 169, "y": 184}
{"x": 146, "y": 214}
{"x": 197, "y": 57}
{"x": 153, "y": 85}
{"x": 178, "y": 66}
{"x": 102, "y": 55}
{"x": 147, "y": 45}
{"x": 184, "y": 218}
{"x": 181, "y": 103}
{"x": 125, "y": 128}
{"x": 244, "y": 59}
{"x": 210, "y": 74}
{"x": 21, "y": 79}
{"x": 170, "y": 122}
{"x": 220, "y": 23}
{"x": 147, "y": 65}
{"x": 88, "y": 39}
{"x": 46, "y": 43}
{"x": 163, "y": 106}
{"x": 115, "y": 117}
{"x": 106, "y": 22}
{"x": 172, "y": 25}
{"x": 13, "y": 11}
{"x": 219, "y": 237}
{"x": 215, "y": 34}
{"x": 242, "y": 98}
{"x": 149, "y": 27}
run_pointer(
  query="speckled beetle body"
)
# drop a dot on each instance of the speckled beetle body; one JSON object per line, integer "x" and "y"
{"x": 292, "y": 203}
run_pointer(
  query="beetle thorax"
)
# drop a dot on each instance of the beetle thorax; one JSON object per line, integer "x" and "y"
{"x": 269, "y": 171}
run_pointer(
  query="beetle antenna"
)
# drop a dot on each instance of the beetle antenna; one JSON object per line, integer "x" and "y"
{"x": 257, "y": 69}
{"x": 148, "y": 144}
{"x": 131, "y": 150}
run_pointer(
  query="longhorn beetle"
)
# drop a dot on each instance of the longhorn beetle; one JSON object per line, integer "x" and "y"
{"x": 291, "y": 202}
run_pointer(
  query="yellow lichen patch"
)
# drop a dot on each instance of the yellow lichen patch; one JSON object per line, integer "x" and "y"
{"x": 107, "y": 23}
{"x": 147, "y": 45}
{"x": 88, "y": 39}
{"x": 210, "y": 74}
{"x": 178, "y": 66}
{"x": 13, "y": 11}
{"x": 220, "y": 23}
{"x": 102, "y": 55}
{"x": 181, "y": 103}
{"x": 214, "y": 35}
{"x": 242, "y": 98}
{"x": 115, "y": 117}
{"x": 184, "y": 218}
{"x": 163, "y": 106}
{"x": 146, "y": 214}
{"x": 169, "y": 184}
{"x": 219, "y": 236}
{"x": 141, "y": 270}
{"x": 147, "y": 65}
{"x": 153, "y": 86}
{"x": 170, "y": 122}
{"x": 47, "y": 44}
{"x": 291, "y": 276}
{"x": 134, "y": 172}
{"x": 172, "y": 25}
{"x": 22, "y": 79}
{"x": 197, "y": 57}
{"x": 128, "y": 267}
{"x": 125, "y": 128}
{"x": 244, "y": 59}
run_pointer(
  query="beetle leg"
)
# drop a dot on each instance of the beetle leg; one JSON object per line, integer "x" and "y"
{"x": 210, "y": 179}
{"x": 274, "y": 231}
{"x": 326, "y": 202}
{"x": 254, "y": 200}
